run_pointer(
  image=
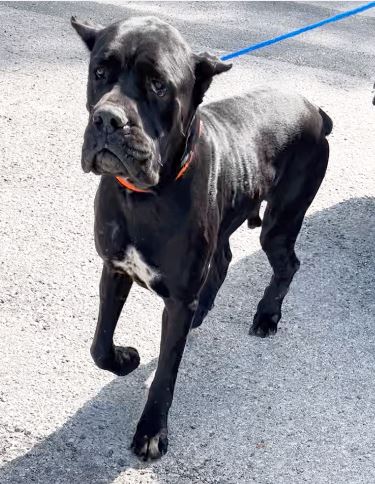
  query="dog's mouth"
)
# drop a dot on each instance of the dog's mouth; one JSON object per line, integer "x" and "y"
{"x": 107, "y": 163}
{"x": 126, "y": 153}
{"x": 134, "y": 171}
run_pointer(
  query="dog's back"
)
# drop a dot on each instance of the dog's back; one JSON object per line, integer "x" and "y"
{"x": 274, "y": 116}
{"x": 251, "y": 131}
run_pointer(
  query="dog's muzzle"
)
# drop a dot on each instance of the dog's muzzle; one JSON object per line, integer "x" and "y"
{"x": 114, "y": 146}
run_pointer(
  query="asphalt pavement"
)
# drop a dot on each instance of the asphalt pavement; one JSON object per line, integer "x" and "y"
{"x": 294, "y": 408}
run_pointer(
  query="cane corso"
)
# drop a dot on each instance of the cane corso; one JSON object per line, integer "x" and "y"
{"x": 177, "y": 180}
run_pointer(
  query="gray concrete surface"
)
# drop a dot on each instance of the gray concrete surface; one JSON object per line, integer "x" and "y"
{"x": 295, "y": 408}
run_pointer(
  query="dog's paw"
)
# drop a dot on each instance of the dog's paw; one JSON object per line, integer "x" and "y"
{"x": 254, "y": 222}
{"x": 150, "y": 447}
{"x": 125, "y": 360}
{"x": 264, "y": 324}
{"x": 121, "y": 360}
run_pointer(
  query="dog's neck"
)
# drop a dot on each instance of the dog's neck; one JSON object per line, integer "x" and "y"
{"x": 193, "y": 133}
{"x": 179, "y": 162}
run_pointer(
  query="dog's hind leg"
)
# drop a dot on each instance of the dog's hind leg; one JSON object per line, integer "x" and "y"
{"x": 253, "y": 219}
{"x": 282, "y": 222}
{"x": 222, "y": 257}
{"x": 114, "y": 289}
{"x": 215, "y": 278}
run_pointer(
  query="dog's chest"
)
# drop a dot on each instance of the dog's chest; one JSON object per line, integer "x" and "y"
{"x": 134, "y": 264}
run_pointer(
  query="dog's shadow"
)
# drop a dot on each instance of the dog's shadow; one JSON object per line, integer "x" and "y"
{"x": 239, "y": 399}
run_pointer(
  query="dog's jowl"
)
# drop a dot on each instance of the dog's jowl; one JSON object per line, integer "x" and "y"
{"x": 177, "y": 180}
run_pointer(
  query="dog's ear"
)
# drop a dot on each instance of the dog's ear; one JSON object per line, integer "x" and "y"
{"x": 206, "y": 67}
{"x": 87, "y": 31}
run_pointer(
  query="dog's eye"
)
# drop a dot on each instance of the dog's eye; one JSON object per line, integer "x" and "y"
{"x": 158, "y": 87}
{"x": 99, "y": 73}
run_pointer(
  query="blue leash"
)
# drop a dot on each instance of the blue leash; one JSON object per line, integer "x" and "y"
{"x": 293, "y": 33}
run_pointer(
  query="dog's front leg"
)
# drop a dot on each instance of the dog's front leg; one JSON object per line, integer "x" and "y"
{"x": 114, "y": 289}
{"x": 150, "y": 440}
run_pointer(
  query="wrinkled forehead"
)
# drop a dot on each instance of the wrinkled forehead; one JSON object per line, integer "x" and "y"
{"x": 150, "y": 42}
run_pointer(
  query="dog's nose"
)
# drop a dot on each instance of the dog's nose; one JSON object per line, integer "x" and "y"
{"x": 109, "y": 118}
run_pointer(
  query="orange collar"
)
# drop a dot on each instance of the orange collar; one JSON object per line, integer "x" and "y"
{"x": 125, "y": 183}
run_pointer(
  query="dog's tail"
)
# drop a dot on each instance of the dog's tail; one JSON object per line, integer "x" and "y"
{"x": 327, "y": 122}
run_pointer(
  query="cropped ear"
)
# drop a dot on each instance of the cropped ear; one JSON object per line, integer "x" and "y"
{"x": 206, "y": 67}
{"x": 87, "y": 31}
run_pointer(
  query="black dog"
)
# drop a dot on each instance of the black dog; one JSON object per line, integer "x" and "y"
{"x": 177, "y": 181}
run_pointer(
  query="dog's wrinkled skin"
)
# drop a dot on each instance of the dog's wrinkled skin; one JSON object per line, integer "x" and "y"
{"x": 144, "y": 89}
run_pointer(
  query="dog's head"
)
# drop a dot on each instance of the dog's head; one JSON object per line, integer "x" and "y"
{"x": 144, "y": 87}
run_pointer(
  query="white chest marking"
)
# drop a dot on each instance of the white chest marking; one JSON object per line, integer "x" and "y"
{"x": 134, "y": 265}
